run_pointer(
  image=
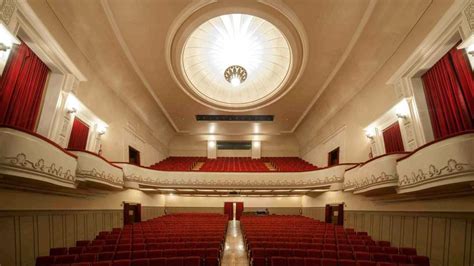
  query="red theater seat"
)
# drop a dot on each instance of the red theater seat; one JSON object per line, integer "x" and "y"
{"x": 328, "y": 262}
{"x": 366, "y": 263}
{"x": 278, "y": 261}
{"x": 140, "y": 262}
{"x": 44, "y": 260}
{"x": 191, "y": 261}
{"x": 312, "y": 261}
{"x": 344, "y": 262}
{"x": 122, "y": 263}
{"x": 65, "y": 259}
{"x": 87, "y": 257}
{"x": 57, "y": 251}
{"x": 420, "y": 260}
{"x": 174, "y": 261}
{"x": 408, "y": 251}
{"x": 157, "y": 262}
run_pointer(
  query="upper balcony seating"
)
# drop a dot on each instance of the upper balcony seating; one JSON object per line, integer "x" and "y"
{"x": 177, "y": 163}
{"x": 234, "y": 164}
{"x": 297, "y": 240}
{"x": 290, "y": 164}
{"x": 182, "y": 239}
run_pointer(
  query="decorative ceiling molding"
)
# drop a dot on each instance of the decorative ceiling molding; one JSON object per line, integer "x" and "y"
{"x": 197, "y": 13}
{"x": 131, "y": 59}
{"x": 365, "y": 18}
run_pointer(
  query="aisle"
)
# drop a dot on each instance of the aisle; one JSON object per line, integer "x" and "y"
{"x": 235, "y": 253}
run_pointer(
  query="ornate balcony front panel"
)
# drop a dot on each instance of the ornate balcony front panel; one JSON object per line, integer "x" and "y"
{"x": 441, "y": 163}
{"x": 377, "y": 173}
{"x": 27, "y": 155}
{"x": 234, "y": 180}
{"x": 350, "y": 177}
{"x": 93, "y": 168}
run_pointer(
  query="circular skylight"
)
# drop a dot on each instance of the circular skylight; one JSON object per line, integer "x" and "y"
{"x": 236, "y": 40}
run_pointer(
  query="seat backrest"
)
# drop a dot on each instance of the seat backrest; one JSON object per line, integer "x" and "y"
{"x": 192, "y": 261}
{"x": 65, "y": 259}
{"x": 105, "y": 256}
{"x": 57, "y": 251}
{"x": 121, "y": 263}
{"x": 278, "y": 261}
{"x": 174, "y": 261}
{"x": 140, "y": 262}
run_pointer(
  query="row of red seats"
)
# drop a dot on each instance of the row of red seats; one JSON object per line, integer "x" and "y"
{"x": 172, "y": 261}
{"x": 290, "y": 164}
{"x": 333, "y": 243}
{"x": 117, "y": 244}
{"x": 312, "y": 246}
{"x": 177, "y": 163}
{"x": 234, "y": 164}
{"x": 297, "y": 261}
{"x": 167, "y": 248}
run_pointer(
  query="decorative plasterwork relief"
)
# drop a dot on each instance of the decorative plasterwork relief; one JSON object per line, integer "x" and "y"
{"x": 40, "y": 166}
{"x": 224, "y": 182}
{"x": 374, "y": 180}
{"x": 7, "y": 9}
{"x": 100, "y": 175}
{"x": 420, "y": 176}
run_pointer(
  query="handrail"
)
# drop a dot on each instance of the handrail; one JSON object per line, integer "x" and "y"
{"x": 34, "y": 134}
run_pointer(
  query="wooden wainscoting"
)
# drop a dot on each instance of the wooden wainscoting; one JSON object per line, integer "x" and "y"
{"x": 446, "y": 237}
{"x": 150, "y": 212}
{"x": 276, "y": 210}
{"x": 28, "y": 234}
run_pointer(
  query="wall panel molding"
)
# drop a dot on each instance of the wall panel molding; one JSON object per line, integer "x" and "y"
{"x": 446, "y": 237}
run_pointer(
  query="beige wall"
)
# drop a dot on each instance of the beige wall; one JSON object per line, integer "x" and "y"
{"x": 336, "y": 108}
{"x": 218, "y": 202}
{"x": 270, "y": 146}
{"x": 151, "y": 130}
{"x": 101, "y": 200}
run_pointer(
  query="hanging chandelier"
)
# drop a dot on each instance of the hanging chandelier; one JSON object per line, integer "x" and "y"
{"x": 235, "y": 75}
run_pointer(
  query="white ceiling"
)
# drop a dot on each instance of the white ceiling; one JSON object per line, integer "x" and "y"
{"x": 347, "y": 42}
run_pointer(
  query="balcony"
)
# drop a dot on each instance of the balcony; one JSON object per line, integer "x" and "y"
{"x": 95, "y": 169}
{"x": 27, "y": 156}
{"x": 442, "y": 163}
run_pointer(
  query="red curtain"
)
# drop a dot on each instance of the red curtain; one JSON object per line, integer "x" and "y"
{"x": 449, "y": 94}
{"x": 392, "y": 138}
{"x": 229, "y": 210}
{"x": 21, "y": 88}
{"x": 239, "y": 209}
{"x": 79, "y": 134}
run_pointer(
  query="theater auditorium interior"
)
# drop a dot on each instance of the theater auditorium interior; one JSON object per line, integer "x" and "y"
{"x": 236, "y": 132}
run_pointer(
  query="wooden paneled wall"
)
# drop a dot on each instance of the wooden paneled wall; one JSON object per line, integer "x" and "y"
{"x": 28, "y": 234}
{"x": 447, "y": 238}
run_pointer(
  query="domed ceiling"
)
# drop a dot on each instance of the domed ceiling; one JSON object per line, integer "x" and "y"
{"x": 236, "y": 40}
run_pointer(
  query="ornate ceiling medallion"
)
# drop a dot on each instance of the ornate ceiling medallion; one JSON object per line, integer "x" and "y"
{"x": 265, "y": 43}
{"x": 235, "y": 75}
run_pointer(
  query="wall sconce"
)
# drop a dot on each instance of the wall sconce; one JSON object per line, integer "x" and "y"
{"x": 370, "y": 133}
{"x": 6, "y": 38}
{"x": 101, "y": 129}
{"x": 72, "y": 110}
{"x": 401, "y": 116}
